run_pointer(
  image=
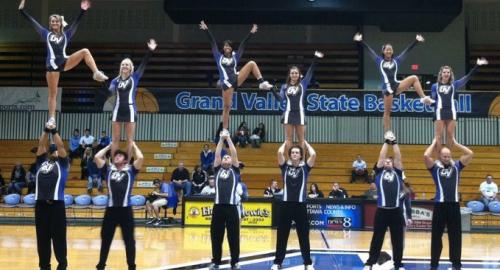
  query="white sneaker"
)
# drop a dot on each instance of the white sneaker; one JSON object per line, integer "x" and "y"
{"x": 275, "y": 267}
{"x": 99, "y": 76}
{"x": 213, "y": 266}
{"x": 265, "y": 85}
{"x": 390, "y": 91}
{"x": 224, "y": 132}
{"x": 309, "y": 267}
{"x": 389, "y": 135}
{"x": 235, "y": 267}
{"x": 367, "y": 267}
{"x": 427, "y": 100}
{"x": 51, "y": 124}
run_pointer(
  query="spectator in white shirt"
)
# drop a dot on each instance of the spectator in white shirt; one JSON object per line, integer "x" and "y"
{"x": 210, "y": 189}
{"x": 489, "y": 191}
{"x": 359, "y": 169}
{"x": 87, "y": 140}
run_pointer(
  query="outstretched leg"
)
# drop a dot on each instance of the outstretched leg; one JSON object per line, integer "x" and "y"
{"x": 251, "y": 67}
{"x": 52, "y": 83}
{"x": 409, "y": 82}
{"x": 227, "y": 98}
{"x": 84, "y": 54}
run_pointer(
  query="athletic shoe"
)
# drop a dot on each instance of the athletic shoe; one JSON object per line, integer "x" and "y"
{"x": 51, "y": 124}
{"x": 427, "y": 100}
{"x": 158, "y": 222}
{"x": 367, "y": 267}
{"x": 389, "y": 135}
{"x": 235, "y": 267}
{"x": 309, "y": 267}
{"x": 151, "y": 221}
{"x": 275, "y": 267}
{"x": 213, "y": 266}
{"x": 390, "y": 91}
{"x": 99, "y": 76}
{"x": 265, "y": 85}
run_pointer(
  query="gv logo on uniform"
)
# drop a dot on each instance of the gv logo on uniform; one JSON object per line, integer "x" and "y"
{"x": 388, "y": 65}
{"x": 47, "y": 167}
{"x": 117, "y": 176}
{"x": 446, "y": 172}
{"x": 227, "y": 61}
{"x": 224, "y": 174}
{"x": 388, "y": 176}
{"x": 445, "y": 89}
{"x": 123, "y": 84}
{"x": 292, "y": 90}
{"x": 54, "y": 38}
{"x": 293, "y": 172}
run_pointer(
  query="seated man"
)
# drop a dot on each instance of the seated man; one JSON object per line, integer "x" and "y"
{"x": 337, "y": 192}
{"x": 272, "y": 190}
{"x": 17, "y": 179}
{"x": 371, "y": 193}
{"x": 157, "y": 199}
{"x": 489, "y": 191}
{"x": 210, "y": 189}
{"x": 359, "y": 169}
{"x": 180, "y": 178}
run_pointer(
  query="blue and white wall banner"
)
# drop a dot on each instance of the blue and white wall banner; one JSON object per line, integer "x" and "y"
{"x": 317, "y": 102}
{"x": 26, "y": 99}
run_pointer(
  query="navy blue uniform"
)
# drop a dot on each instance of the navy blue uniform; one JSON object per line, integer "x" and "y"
{"x": 294, "y": 95}
{"x": 446, "y": 212}
{"x": 389, "y": 68}
{"x": 125, "y": 109}
{"x": 227, "y": 66}
{"x": 225, "y": 214}
{"x": 56, "y": 44}
{"x": 444, "y": 95}
{"x": 119, "y": 213}
{"x": 294, "y": 208}
{"x": 389, "y": 214}
{"x": 50, "y": 213}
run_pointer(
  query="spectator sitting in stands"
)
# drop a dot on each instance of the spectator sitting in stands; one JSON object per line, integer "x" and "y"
{"x": 86, "y": 159}
{"x": 30, "y": 178}
{"x": 17, "y": 179}
{"x": 314, "y": 191}
{"x": 199, "y": 179}
{"x": 3, "y": 186}
{"x": 103, "y": 141}
{"x": 93, "y": 176}
{"x": 180, "y": 178}
{"x": 210, "y": 189}
{"x": 157, "y": 199}
{"x": 241, "y": 136}
{"x": 359, "y": 169}
{"x": 86, "y": 140}
{"x": 207, "y": 159}
{"x": 75, "y": 151}
{"x": 337, "y": 192}
{"x": 258, "y": 135}
{"x": 489, "y": 191}
{"x": 371, "y": 193}
{"x": 272, "y": 190}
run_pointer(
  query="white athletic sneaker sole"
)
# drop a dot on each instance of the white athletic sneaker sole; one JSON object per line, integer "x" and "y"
{"x": 265, "y": 85}
{"x": 389, "y": 135}
{"x": 99, "y": 76}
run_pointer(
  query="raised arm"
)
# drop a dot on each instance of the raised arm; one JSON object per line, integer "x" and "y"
{"x": 467, "y": 155}
{"x": 213, "y": 42}
{"x": 402, "y": 55}
{"x": 140, "y": 70}
{"x": 281, "y": 154}
{"x": 312, "y": 155}
{"x": 60, "y": 145}
{"x": 99, "y": 158}
{"x": 241, "y": 48}
{"x": 232, "y": 150}
{"x": 398, "y": 160}
{"x": 42, "y": 143}
{"x": 428, "y": 160}
{"x": 38, "y": 27}
{"x": 382, "y": 155}
{"x": 218, "y": 150}
{"x": 138, "y": 156}
{"x": 434, "y": 91}
{"x": 460, "y": 83}
{"x": 358, "y": 37}
{"x": 84, "y": 6}
{"x": 307, "y": 79}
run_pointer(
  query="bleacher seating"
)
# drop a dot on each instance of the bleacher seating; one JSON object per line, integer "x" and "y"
{"x": 487, "y": 77}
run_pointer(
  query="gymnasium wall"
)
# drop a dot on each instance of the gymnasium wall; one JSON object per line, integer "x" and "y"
{"x": 136, "y": 20}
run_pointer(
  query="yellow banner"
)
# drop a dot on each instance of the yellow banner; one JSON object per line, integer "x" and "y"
{"x": 254, "y": 213}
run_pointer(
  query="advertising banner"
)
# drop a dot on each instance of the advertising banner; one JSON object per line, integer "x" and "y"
{"x": 26, "y": 99}
{"x": 254, "y": 213}
{"x": 317, "y": 102}
{"x": 329, "y": 215}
